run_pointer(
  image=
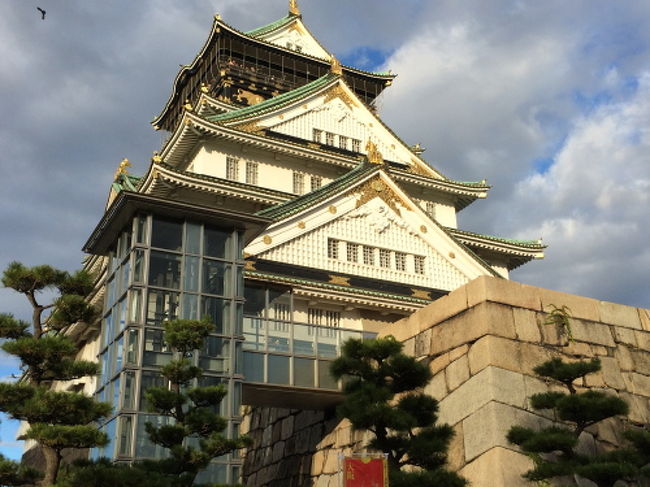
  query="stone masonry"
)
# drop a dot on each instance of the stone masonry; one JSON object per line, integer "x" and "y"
{"x": 481, "y": 342}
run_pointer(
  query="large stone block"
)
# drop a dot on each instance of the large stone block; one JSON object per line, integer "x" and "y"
{"x": 437, "y": 387}
{"x": 644, "y": 318}
{"x": 612, "y": 373}
{"x": 642, "y": 339}
{"x": 619, "y": 315}
{"x": 526, "y": 325}
{"x": 457, "y": 372}
{"x": 488, "y": 426}
{"x": 502, "y": 291}
{"x": 590, "y": 332}
{"x": 442, "y": 309}
{"x": 490, "y": 384}
{"x": 506, "y": 354}
{"x": 456, "y": 451}
{"x": 483, "y": 319}
{"x": 499, "y": 467}
{"x": 624, "y": 335}
{"x": 637, "y": 383}
{"x": 579, "y": 306}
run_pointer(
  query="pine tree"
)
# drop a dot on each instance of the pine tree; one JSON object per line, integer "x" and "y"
{"x": 14, "y": 474}
{"x": 190, "y": 408}
{"x": 554, "y": 448}
{"x": 57, "y": 420}
{"x": 383, "y": 394}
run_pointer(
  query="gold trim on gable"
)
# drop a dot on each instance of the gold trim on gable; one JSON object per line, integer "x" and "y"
{"x": 338, "y": 92}
{"x": 376, "y": 188}
{"x": 250, "y": 127}
{"x": 340, "y": 280}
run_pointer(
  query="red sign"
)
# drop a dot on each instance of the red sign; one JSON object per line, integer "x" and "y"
{"x": 365, "y": 472}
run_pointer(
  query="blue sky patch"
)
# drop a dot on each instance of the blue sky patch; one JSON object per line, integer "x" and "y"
{"x": 366, "y": 58}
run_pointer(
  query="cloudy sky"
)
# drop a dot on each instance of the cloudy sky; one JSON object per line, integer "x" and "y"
{"x": 549, "y": 101}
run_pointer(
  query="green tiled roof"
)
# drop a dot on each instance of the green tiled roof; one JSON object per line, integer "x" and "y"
{"x": 260, "y": 31}
{"x": 289, "y": 208}
{"x": 126, "y": 182}
{"x": 533, "y": 244}
{"x": 276, "y": 102}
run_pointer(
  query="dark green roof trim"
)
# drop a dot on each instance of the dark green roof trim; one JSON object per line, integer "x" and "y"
{"x": 336, "y": 287}
{"x": 465, "y": 184}
{"x": 284, "y": 210}
{"x": 532, "y": 244}
{"x": 276, "y": 102}
{"x": 126, "y": 182}
{"x": 265, "y": 29}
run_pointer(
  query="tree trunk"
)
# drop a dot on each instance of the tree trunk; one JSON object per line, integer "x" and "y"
{"x": 52, "y": 462}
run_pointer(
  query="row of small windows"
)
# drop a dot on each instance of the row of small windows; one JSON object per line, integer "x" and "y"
{"x": 232, "y": 170}
{"x": 344, "y": 142}
{"x": 388, "y": 259}
{"x": 299, "y": 182}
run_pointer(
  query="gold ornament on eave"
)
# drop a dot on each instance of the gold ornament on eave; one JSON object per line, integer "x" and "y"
{"x": 122, "y": 168}
{"x": 373, "y": 154}
{"x": 293, "y": 7}
{"x": 335, "y": 65}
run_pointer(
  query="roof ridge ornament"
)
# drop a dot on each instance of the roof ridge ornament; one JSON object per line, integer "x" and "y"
{"x": 335, "y": 65}
{"x": 293, "y": 7}
{"x": 122, "y": 168}
{"x": 373, "y": 154}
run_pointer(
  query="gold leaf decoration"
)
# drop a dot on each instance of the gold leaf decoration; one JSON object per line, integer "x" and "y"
{"x": 340, "y": 280}
{"x": 338, "y": 92}
{"x": 420, "y": 293}
{"x": 377, "y": 188}
{"x": 250, "y": 127}
{"x": 373, "y": 154}
{"x": 267, "y": 239}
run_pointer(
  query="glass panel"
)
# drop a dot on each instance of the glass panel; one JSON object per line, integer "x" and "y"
{"x": 255, "y": 300}
{"x": 239, "y": 318}
{"x": 279, "y": 334}
{"x": 166, "y": 234}
{"x": 126, "y": 431}
{"x": 144, "y": 448}
{"x": 191, "y": 274}
{"x": 239, "y": 292}
{"x": 128, "y": 398}
{"x": 138, "y": 266}
{"x": 135, "y": 307}
{"x": 192, "y": 238}
{"x": 115, "y": 399}
{"x": 327, "y": 341}
{"x": 215, "y": 277}
{"x": 141, "y": 229}
{"x": 110, "y": 293}
{"x": 109, "y": 450}
{"x": 161, "y": 306}
{"x": 156, "y": 351}
{"x": 325, "y": 380}
{"x": 217, "y": 311}
{"x": 149, "y": 379}
{"x": 215, "y": 356}
{"x": 132, "y": 347}
{"x": 164, "y": 269}
{"x": 209, "y": 381}
{"x": 279, "y": 304}
{"x": 121, "y": 316}
{"x": 119, "y": 354}
{"x": 253, "y": 367}
{"x": 254, "y": 334}
{"x": 303, "y": 372}
{"x": 215, "y": 473}
{"x": 126, "y": 269}
{"x": 190, "y": 309}
{"x": 236, "y": 398}
{"x": 217, "y": 243}
{"x": 278, "y": 369}
{"x": 108, "y": 329}
{"x": 238, "y": 357}
{"x": 303, "y": 339}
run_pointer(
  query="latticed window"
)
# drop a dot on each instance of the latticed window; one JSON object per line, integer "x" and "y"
{"x": 252, "y": 170}
{"x": 343, "y": 142}
{"x": 368, "y": 255}
{"x": 332, "y": 248}
{"x": 352, "y": 252}
{"x": 317, "y": 135}
{"x": 384, "y": 258}
{"x": 298, "y": 182}
{"x": 418, "y": 262}
{"x": 356, "y": 145}
{"x": 329, "y": 138}
{"x": 400, "y": 261}
{"x": 316, "y": 182}
{"x": 430, "y": 209}
{"x": 332, "y": 318}
{"x": 315, "y": 316}
{"x": 232, "y": 168}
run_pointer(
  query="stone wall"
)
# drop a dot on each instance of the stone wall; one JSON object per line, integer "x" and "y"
{"x": 481, "y": 342}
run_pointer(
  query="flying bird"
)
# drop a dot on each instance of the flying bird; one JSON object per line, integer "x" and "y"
{"x": 42, "y": 12}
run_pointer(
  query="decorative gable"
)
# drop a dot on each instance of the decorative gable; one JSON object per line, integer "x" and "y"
{"x": 295, "y": 36}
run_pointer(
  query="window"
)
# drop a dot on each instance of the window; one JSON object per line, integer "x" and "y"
{"x": 343, "y": 142}
{"x": 430, "y": 208}
{"x": 329, "y": 138}
{"x": 314, "y": 316}
{"x": 400, "y": 261}
{"x": 317, "y": 135}
{"x": 316, "y": 182}
{"x": 368, "y": 255}
{"x": 384, "y": 258}
{"x": 332, "y": 248}
{"x": 418, "y": 262}
{"x": 251, "y": 172}
{"x": 353, "y": 252}
{"x": 232, "y": 168}
{"x": 298, "y": 183}
{"x": 356, "y": 145}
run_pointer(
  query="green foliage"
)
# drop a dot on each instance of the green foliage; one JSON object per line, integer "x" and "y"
{"x": 104, "y": 473}
{"x": 14, "y": 474}
{"x": 554, "y": 449}
{"x": 382, "y": 388}
{"x": 561, "y": 318}
{"x": 190, "y": 408}
{"x": 57, "y": 420}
